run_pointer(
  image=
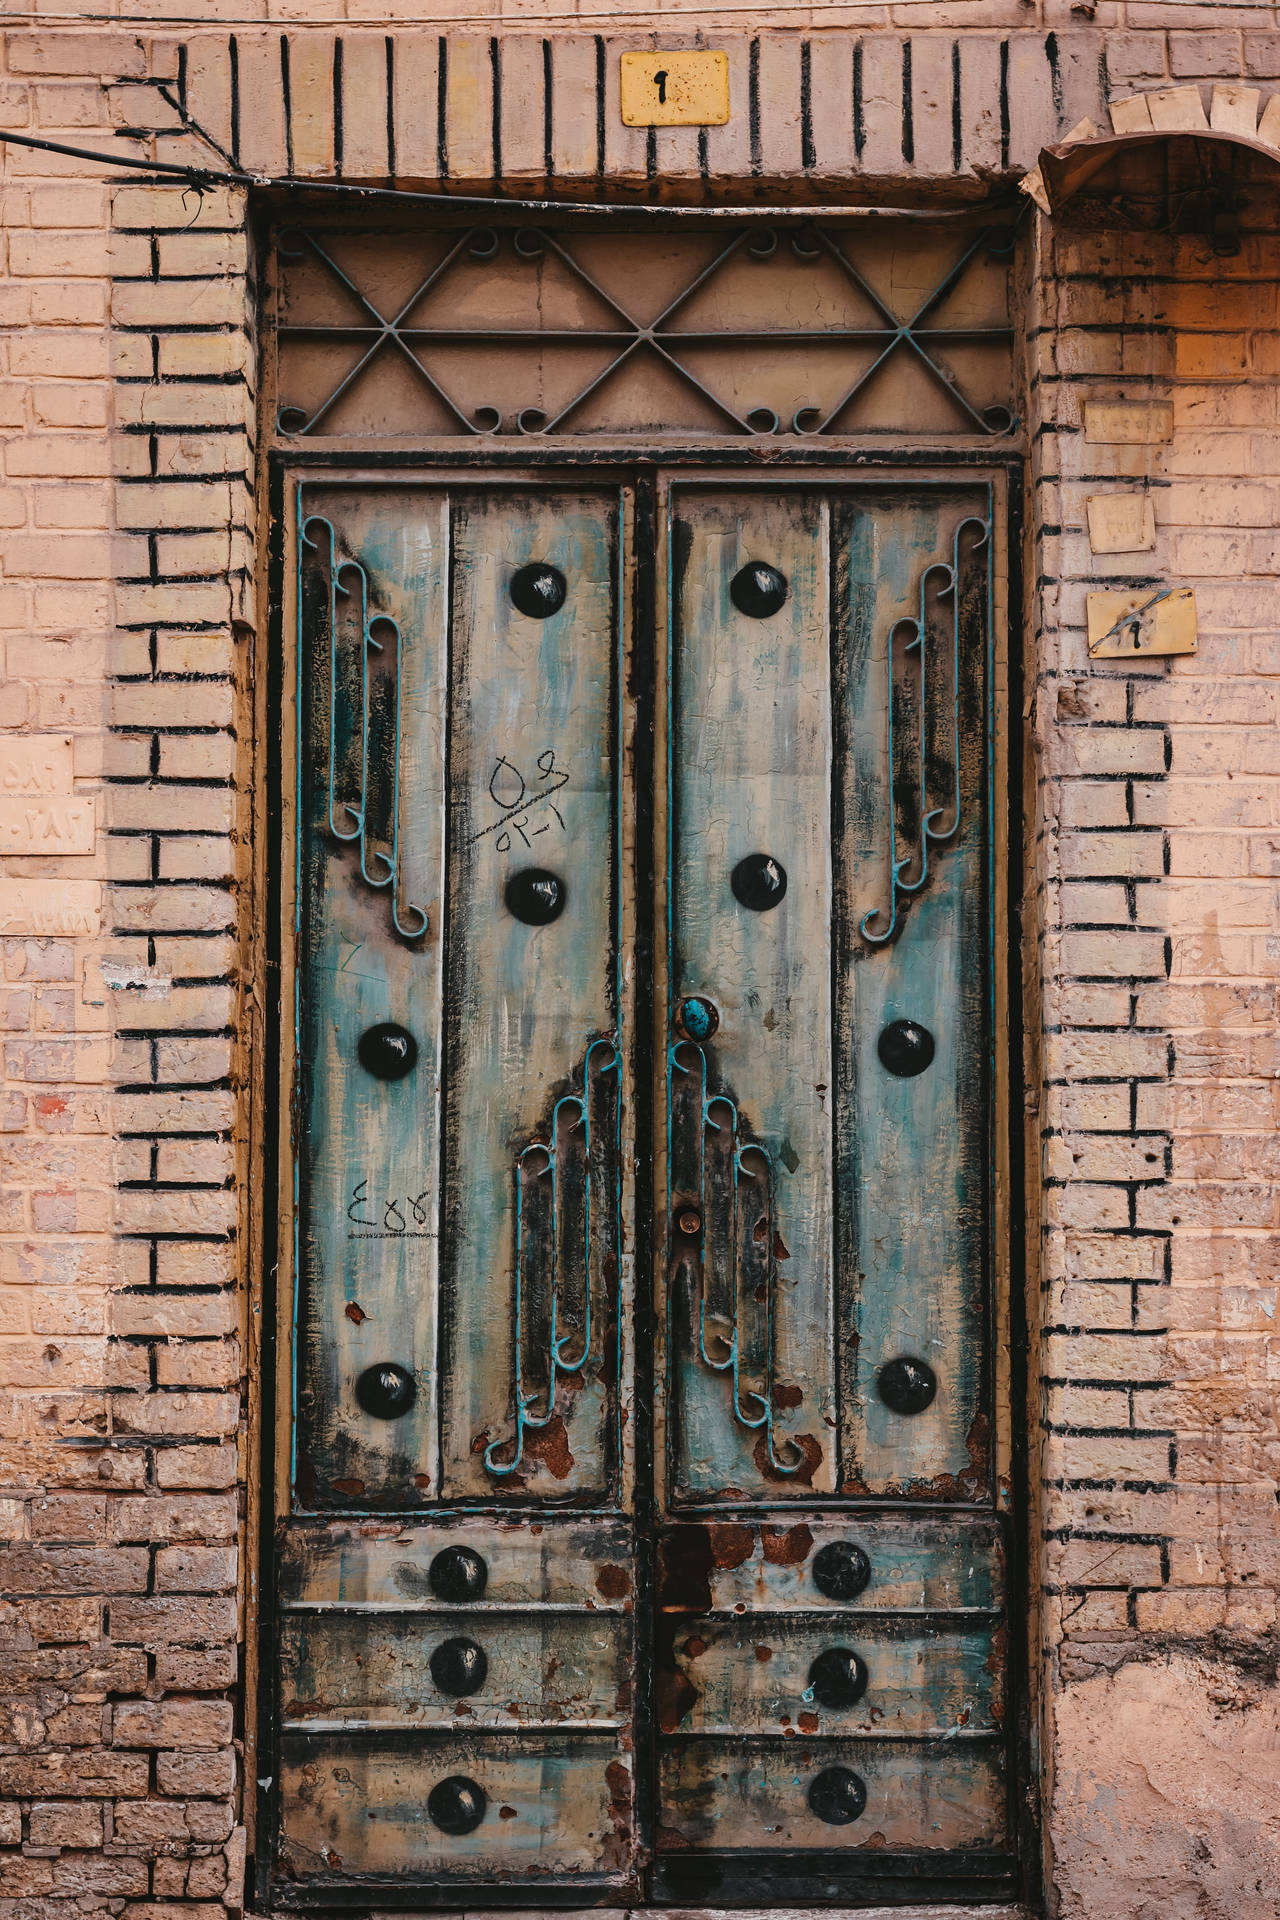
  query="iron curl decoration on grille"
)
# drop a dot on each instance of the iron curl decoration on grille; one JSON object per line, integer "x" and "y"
{"x": 566, "y": 1232}
{"x": 320, "y": 588}
{"x": 914, "y": 758}
{"x": 725, "y": 1232}
{"x": 664, "y": 337}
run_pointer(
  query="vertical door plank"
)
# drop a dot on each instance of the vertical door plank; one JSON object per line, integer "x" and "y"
{"x": 532, "y": 715}
{"x": 369, "y": 1148}
{"x": 911, "y": 1151}
{"x": 751, "y": 753}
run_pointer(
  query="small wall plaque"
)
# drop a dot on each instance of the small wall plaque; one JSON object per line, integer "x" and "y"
{"x": 1125, "y": 626}
{"x": 689, "y": 88}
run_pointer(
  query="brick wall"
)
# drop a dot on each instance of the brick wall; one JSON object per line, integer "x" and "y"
{"x": 1159, "y": 910}
{"x": 127, "y": 610}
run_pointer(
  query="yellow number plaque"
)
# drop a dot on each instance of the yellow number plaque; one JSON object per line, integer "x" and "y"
{"x": 685, "y": 89}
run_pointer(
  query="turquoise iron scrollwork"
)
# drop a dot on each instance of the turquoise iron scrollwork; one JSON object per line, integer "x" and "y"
{"x": 321, "y": 590}
{"x": 566, "y": 1232}
{"x": 725, "y": 1234}
{"x": 921, "y": 816}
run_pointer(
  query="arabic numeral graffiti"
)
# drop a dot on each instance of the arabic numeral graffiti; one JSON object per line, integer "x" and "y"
{"x": 524, "y": 811}
{"x": 394, "y": 1221}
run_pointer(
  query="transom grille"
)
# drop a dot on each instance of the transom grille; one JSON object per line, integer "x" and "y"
{"x": 902, "y": 328}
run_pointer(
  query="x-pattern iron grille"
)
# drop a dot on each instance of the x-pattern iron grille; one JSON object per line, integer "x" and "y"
{"x": 918, "y": 337}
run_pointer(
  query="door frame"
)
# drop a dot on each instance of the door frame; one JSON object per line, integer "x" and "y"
{"x": 1013, "y": 1134}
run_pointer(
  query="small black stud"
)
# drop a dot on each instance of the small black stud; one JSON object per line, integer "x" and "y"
{"x": 457, "y": 1574}
{"x": 906, "y": 1385}
{"x": 535, "y": 896}
{"x": 837, "y": 1796}
{"x": 459, "y": 1667}
{"x": 386, "y": 1391}
{"x": 759, "y": 882}
{"x": 837, "y": 1678}
{"x": 697, "y": 1018}
{"x": 538, "y": 590}
{"x": 457, "y": 1805}
{"x": 841, "y": 1570}
{"x": 758, "y": 590}
{"x": 905, "y": 1048}
{"x": 387, "y": 1051}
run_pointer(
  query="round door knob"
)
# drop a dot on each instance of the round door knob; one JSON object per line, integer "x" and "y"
{"x": 459, "y": 1667}
{"x": 387, "y": 1051}
{"x": 386, "y": 1391}
{"x": 457, "y": 1805}
{"x": 457, "y": 1574}
{"x": 837, "y": 1795}
{"x": 838, "y": 1677}
{"x": 535, "y": 896}
{"x": 759, "y": 882}
{"x": 905, "y": 1048}
{"x": 840, "y": 1570}
{"x": 697, "y": 1018}
{"x": 758, "y": 590}
{"x": 538, "y": 590}
{"x": 906, "y": 1385}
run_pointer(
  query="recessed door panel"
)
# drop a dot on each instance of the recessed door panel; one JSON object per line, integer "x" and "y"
{"x": 645, "y": 1534}
{"x": 532, "y": 1049}
{"x": 749, "y": 1063}
{"x": 372, "y": 585}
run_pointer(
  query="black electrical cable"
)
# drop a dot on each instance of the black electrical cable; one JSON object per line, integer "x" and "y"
{"x": 200, "y": 179}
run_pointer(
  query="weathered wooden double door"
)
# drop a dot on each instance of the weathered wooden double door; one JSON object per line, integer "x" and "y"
{"x": 644, "y": 1534}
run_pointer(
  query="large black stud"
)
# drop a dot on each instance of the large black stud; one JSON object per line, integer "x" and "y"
{"x": 905, "y": 1048}
{"x": 457, "y": 1805}
{"x": 759, "y": 882}
{"x": 906, "y": 1385}
{"x": 838, "y": 1677}
{"x": 535, "y": 896}
{"x": 387, "y": 1051}
{"x": 538, "y": 590}
{"x": 386, "y": 1391}
{"x": 697, "y": 1018}
{"x": 758, "y": 590}
{"x": 841, "y": 1570}
{"x": 837, "y": 1795}
{"x": 457, "y": 1574}
{"x": 459, "y": 1667}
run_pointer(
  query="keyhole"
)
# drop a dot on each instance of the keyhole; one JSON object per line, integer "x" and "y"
{"x": 660, "y": 82}
{"x": 1134, "y": 631}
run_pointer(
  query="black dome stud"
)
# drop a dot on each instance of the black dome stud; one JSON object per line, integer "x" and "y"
{"x": 386, "y": 1391}
{"x": 905, "y": 1048}
{"x": 841, "y": 1570}
{"x": 759, "y": 882}
{"x": 538, "y": 590}
{"x": 457, "y": 1805}
{"x": 758, "y": 590}
{"x": 535, "y": 896}
{"x": 457, "y": 1574}
{"x": 697, "y": 1018}
{"x": 459, "y": 1667}
{"x": 906, "y": 1385}
{"x": 838, "y": 1677}
{"x": 387, "y": 1051}
{"x": 837, "y": 1795}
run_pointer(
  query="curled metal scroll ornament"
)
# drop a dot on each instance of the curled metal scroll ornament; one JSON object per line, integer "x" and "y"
{"x": 566, "y": 1233}
{"x": 724, "y": 1234}
{"x": 324, "y": 583}
{"x": 923, "y": 800}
